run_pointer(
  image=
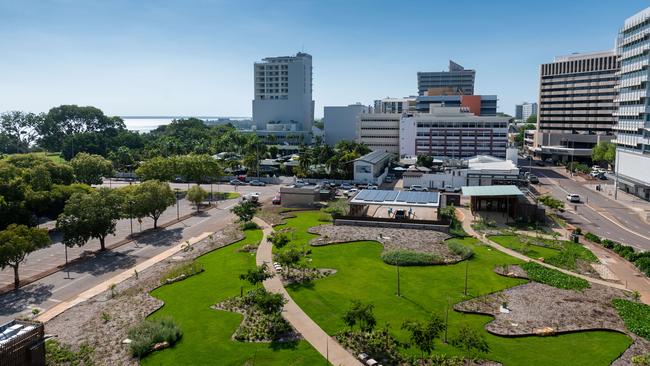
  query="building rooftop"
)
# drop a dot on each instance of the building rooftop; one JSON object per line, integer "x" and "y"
{"x": 374, "y": 157}
{"x": 479, "y": 191}
{"x": 397, "y": 198}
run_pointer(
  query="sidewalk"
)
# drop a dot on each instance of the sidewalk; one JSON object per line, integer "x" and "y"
{"x": 468, "y": 228}
{"x": 629, "y": 201}
{"x": 321, "y": 341}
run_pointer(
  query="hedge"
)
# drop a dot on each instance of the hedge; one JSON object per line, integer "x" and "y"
{"x": 640, "y": 259}
{"x": 552, "y": 277}
{"x": 409, "y": 258}
{"x": 150, "y": 332}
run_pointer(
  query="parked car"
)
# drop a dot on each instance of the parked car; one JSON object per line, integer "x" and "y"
{"x": 237, "y": 182}
{"x": 572, "y": 197}
{"x": 532, "y": 178}
{"x": 351, "y": 192}
{"x": 346, "y": 186}
{"x": 257, "y": 183}
{"x": 417, "y": 188}
{"x": 276, "y": 200}
{"x": 400, "y": 214}
{"x": 388, "y": 179}
{"x": 372, "y": 186}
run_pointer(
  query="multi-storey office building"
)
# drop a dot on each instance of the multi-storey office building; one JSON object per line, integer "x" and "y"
{"x": 394, "y": 105}
{"x": 576, "y": 105}
{"x": 457, "y": 77}
{"x": 379, "y": 131}
{"x": 452, "y": 132}
{"x": 525, "y": 110}
{"x": 341, "y": 122}
{"x": 633, "y": 105}
{"x": 480, "y": 105}
{"x": 283, "y": 102}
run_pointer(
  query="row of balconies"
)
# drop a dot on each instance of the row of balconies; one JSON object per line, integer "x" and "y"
{"x": 633, "y": 67}
{"x": 594, "y": 84}
{"x": 584, "y": 78}
{"x": 635, "y": 51}
{"x": 599, "y": 98}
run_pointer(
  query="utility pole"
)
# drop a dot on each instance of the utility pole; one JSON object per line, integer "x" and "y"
{"x": 178, "y": 211}
{"x": 466, "y": 272}
{"x": 446, "y": 319}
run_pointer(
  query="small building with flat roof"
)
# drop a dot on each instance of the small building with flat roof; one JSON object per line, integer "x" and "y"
{"x": 372, "y": 167}
{"x": 494, "y": 198}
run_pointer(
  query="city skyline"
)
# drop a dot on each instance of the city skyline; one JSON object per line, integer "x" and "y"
{"x": 197, "y": 59}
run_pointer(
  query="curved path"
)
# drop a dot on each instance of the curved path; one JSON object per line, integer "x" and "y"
{"x": 323, "y": 343}
{"x": 482, "y": 237}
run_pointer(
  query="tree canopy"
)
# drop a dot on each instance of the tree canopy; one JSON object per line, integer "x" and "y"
{"x": 149, "y": 199}
{"x": 89, "y": 169}
{"x": 16, "y": 242}
{"x": 90, "y": 215}
{"x": 197, "y": 195}
{"x": 604, "y": 152}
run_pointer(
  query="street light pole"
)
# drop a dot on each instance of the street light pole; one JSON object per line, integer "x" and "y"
{"x": 178, "y": 212}
{"x": 131, "y": 216}
{"x": 616, "y": 176}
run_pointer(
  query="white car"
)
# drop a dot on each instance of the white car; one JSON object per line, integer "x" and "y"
{"x": 372, "y": 186}
{"x": 417, "y": 188}
{"x": 572, "y": 197}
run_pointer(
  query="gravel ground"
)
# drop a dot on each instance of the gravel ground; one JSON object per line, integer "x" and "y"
{"x": 131, "y": 304}
{"x": 538, "y": 309}
{"x": 424, "y": 241}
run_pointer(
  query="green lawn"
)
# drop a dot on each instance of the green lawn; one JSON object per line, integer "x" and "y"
{"x": 206, "y": 332}
{"x": 362, "y": 275}
{"x": 559, "y": 253}
{"x": 54, "y": 156}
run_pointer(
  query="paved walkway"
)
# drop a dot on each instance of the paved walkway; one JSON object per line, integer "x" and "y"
{"x": 94, "y": 291}
{"x": 323, "y": 343}
{"x": 466, "y": 219}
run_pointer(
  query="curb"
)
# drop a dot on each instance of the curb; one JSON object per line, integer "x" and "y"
{"x": 29, "y": 280}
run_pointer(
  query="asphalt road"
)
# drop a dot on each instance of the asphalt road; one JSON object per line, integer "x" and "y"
{"x": 596, "y": 213}
{"x": 79, "y": 277}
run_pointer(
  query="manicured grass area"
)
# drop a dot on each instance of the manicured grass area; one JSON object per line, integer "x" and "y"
{"x": 362, "y": 275}
{"x": 54, "y": 156}
{"x": 561, "y": 253}
{"x": 206, "y": 332}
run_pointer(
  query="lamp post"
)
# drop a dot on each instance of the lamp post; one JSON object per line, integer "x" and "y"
{"x": 616, "y": 175}
{"x": 178, "y": 211}
{"x": 131, "y": 216}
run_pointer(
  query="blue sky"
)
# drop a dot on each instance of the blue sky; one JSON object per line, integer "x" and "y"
{"x": 196, "y": 57}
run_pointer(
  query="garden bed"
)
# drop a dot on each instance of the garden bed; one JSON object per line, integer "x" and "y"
{"x": 425, "y": 247}
{"x": 103, "y": 321}
{"x": 538, "y": 309}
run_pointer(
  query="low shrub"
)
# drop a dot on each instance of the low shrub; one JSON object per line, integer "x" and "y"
{"x": 635, "y": 315}
{"x": 410, "y": 258}
{"x": 249, "y": 225}
{"x": 641, "y": 360}
{"x": 552, "y": 277}
{"x": 325, "y": 217}
{"x": 150, "y": 332}
{"x": 57, "y": 353}
{"x": 593, "y": 237}
{"x": 643, "y": 264}
{"x": 183, "y": 271}
{"x": 460, "y": 249}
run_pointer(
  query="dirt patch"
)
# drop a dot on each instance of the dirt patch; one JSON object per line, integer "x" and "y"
{"x": 104, "y": 320}
{"x": 511, "y": 270}
{"x": 274, "y": 215}
{"x": 422, "y": 241}
{"x": 537, "y": 309}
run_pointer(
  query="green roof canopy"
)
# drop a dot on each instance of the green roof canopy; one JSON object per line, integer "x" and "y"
{"x": 477, "y": 191}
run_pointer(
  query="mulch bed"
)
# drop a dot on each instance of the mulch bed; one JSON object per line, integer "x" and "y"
{"x": 538, "y": 309}
{"x": 423, "y": 241}
{"x": 132, "y": 303}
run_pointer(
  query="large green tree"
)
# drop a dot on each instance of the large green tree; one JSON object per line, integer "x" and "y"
{"x": 150, "y": 199}
{"x": 16, "y": 242}
{"x": 90, "y": 169}
{"x": 197, "y": 195}
{"x": 245, "y": 211}
{"x": 470, "y": 340}
{"x": 604, "y": 152}
{"x": 158, "y": 168}
{"x": 19, "y": 130}
{"x": 362, "y": 314}
{"x": 90, "y": 215}
{"x": 67, "y": 120}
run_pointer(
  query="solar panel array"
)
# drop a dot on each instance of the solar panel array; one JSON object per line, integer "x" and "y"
{"x": 369, "y": 195}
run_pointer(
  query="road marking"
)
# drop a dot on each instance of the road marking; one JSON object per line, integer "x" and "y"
{"x": 598, "y": 212}
{"x": 73, "y": 282}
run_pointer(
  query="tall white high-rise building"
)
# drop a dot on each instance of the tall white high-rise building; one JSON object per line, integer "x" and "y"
{"x": 283, "y": 103}
{"x": 632, "y": 115}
